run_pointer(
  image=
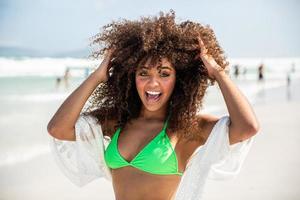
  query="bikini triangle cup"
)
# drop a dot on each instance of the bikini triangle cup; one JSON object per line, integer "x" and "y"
{"x": 156, "y": 157}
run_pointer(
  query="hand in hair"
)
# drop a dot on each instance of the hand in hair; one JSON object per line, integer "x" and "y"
{"x": 103, "y": 68}
{"x": 210, "y": 63}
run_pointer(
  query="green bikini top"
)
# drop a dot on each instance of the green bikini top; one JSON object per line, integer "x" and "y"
{"x": 157, "y": 157}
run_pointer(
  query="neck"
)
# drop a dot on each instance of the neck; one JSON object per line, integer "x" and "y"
{"x": 153, "y": 115}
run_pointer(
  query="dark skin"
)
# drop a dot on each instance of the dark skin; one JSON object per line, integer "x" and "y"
{"x": 139, "y": 132}
{"x": 129, "y": 182}
{"x": 135, "y": 135}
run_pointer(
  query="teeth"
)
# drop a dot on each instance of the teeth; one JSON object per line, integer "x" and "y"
{"x": 153, "y": 93}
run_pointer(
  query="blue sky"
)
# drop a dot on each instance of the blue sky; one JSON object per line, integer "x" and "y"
{"x": 252, "y": 28}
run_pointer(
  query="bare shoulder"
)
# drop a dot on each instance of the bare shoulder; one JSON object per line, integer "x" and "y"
{"x": 203, "y": 124}
{"x": 206, "y": 123}
{"x": 208, "y": 118}
{"x": 109, "y": 127}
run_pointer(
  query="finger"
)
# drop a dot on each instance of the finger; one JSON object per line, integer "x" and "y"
{"x": 202, "y": 47}
{"x": 109, "y": 52}
{"x": 113, "y": 48}
{"x": 201, "y": 43}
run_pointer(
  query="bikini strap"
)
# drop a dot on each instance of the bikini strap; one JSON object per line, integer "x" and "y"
{"x": 166, "y": 123}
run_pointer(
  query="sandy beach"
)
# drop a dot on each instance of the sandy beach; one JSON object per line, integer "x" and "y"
{"x": 269, "y": 172}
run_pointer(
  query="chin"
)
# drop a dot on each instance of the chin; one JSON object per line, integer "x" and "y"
{"x": 153, "y": 107}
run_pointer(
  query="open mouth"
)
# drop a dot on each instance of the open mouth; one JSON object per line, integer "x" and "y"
{"x": 153, "y": 96}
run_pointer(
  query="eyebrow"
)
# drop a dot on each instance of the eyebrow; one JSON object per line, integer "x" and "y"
{"x": 160, "y": 67}
{"x": 164, "y": 67}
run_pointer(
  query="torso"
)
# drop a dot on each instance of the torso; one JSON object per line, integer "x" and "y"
{"x": 130, "y": 183}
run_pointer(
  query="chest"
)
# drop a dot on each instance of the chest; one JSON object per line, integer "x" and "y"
{"x": 135, "y": 143}
{"x": 132, "y": 141}
{"x": 134, "y": 159}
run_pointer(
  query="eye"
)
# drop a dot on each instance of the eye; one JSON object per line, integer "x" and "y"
{"x": 164, "y": 74}
{"x": 143, "y": 73}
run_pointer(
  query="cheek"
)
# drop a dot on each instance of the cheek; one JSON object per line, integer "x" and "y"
{"x": 169, "y": 85}
{"x": 139, "y": 84}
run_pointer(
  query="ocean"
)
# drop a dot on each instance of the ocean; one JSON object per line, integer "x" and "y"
{"x": 29, "y": 96}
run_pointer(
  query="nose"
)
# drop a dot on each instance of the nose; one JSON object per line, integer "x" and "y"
{"x": 153, "y": 81}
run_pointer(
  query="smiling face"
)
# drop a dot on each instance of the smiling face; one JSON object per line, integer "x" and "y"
{"x": 155, "y": 84}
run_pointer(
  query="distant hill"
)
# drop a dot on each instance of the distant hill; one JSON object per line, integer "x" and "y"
{"x": 17, "y": 52}
{"x": 21, "y": 52}
{"x": 81, "y": 53}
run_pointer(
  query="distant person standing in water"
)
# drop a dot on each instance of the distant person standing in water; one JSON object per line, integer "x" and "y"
{"x": 261, "y": 72}
{"x": 236, "y": 71}
{"x": 288, "y": 83}
{"x": 67, "y": 77}
{"x": 58, "y": 80}
{"x": 288, "y": 79}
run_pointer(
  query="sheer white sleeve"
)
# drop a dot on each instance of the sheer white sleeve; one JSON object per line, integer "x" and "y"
{"x": 82, "y": 161}
{"x": 216, "y": 160}
{"x": 228, "y": 159}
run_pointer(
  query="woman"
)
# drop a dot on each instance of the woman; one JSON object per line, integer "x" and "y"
{"x": 143, "y": 128}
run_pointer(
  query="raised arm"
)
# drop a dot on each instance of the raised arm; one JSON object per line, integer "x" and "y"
{"x": 244, "y": 123}
{"x": 62, "y": 124}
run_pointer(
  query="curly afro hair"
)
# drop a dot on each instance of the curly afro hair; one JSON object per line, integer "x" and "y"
{"x": 155, "y": 37}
